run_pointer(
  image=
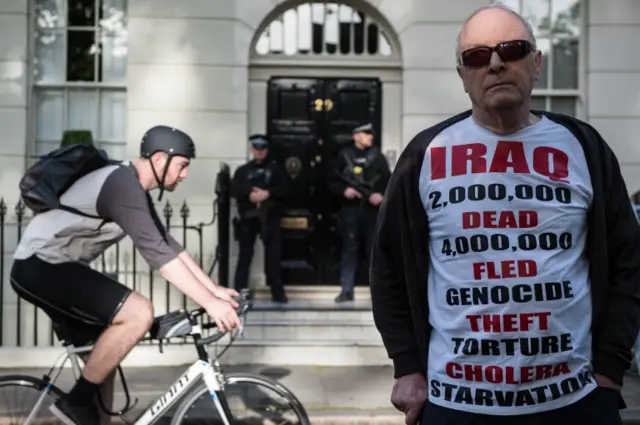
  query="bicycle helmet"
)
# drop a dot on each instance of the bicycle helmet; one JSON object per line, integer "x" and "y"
{"x": 169, "y": 140}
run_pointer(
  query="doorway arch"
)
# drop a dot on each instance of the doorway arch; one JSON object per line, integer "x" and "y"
{"x": 316, "y": 70}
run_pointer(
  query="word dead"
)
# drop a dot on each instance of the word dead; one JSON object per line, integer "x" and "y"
{"x": 504, "y": 374}
{"x": 482, "y": 397}
{"x": 500, "y": 220}
{"x": 511, "y": 322}
{"x": 509, "y": 156}
{"x": 507, "y": 269}
{"x": 500, "y": 294}
{"x": 548, "y": 344}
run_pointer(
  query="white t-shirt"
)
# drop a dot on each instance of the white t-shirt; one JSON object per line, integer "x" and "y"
{"x": 508, "y": 280}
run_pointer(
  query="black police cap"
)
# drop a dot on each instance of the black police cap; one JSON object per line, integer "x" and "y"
{"x": 259, "y": 141}
{"x": 365, "y": 128}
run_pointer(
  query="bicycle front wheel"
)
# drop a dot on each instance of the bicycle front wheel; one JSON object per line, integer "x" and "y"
{"x": 253, "y": 400}
{"x": 25, "y": 398}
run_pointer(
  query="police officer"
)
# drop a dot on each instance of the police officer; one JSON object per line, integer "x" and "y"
{"x": 260, "y": 188}
{"x": 359, "y": 178}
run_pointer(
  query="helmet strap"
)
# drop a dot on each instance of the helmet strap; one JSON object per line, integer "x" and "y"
{"x": 164, "y": 176}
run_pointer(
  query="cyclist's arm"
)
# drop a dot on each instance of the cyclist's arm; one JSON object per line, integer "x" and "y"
{"x": 123, "y": 200}
{"x": 195, "y": 268}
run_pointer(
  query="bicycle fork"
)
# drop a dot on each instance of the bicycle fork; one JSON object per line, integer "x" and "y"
{"x": 214, "y": 381}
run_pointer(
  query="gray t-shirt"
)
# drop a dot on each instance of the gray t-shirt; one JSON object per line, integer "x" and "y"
{"x": 123, "y": 200}
{"x": 113, "y": 193}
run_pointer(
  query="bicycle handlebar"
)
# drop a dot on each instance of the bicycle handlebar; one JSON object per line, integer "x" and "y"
{"x": 244, "y": 305}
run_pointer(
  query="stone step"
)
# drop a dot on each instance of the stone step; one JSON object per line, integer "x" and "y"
{"x": 312, "y": 293}
{"x": 311, "y": 330}
{"x": 311, "y": 310}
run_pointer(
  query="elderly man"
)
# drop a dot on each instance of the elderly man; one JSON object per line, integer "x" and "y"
{"x": 505, "y": 272}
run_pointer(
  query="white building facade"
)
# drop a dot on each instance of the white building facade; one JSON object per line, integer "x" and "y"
{"x": 118, "y": 67}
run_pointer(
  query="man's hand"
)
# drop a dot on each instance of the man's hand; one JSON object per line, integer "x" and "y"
{"x": 226, "y": 294}
{"x": 351, "y": 193}
{"x": 258, "y": 195}
{"x": 409, "y": 395}
{"x": 223, "y": 314}
{"x": 605, "y": 382}
{"x": 375, "y": 199}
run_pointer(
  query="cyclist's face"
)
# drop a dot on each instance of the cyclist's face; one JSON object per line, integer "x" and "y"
{"x": 177, "y": 172}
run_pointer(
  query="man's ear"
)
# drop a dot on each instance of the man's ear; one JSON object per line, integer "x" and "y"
{"x": 158, "y": 158}
{"x": 459, "y": 70}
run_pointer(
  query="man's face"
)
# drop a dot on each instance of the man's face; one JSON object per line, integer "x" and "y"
{"x": 499, "y": 84}
{"x": 177, "y": 172}
{"x": 259, "y": 154}
{"x": 363, "y": 140}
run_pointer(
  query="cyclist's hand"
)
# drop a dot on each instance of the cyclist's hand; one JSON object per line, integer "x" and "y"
{"x": 226, "y": 294}
{"x": 223, "y": 314}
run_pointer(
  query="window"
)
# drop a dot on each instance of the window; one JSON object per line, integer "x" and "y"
{"x": 323, "y": 28}
{"x": 557, "y": 25}
{"x": 79, "y": 72}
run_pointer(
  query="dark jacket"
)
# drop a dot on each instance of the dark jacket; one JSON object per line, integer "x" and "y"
{"x": 376, "y": 170}
{"x": 400, "y": 257}
{"x": 246, "y": 177}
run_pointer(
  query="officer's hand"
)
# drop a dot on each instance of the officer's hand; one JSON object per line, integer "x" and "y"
{"x": 409, "y": 395}
{"x": 351, "y": 193}
{"x": 255, "y": 196}
{"x": 223, "y": 314}
{"x": 375, "y": 199}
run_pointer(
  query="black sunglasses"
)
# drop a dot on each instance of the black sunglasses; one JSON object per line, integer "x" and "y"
{"x": 509, "y": 51}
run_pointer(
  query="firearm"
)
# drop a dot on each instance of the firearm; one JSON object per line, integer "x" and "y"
{"x": 261, "y": 212}
{"x": 362, "y": 186}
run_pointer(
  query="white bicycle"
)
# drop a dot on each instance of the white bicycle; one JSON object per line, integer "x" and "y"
{"x": 217, "y": 398}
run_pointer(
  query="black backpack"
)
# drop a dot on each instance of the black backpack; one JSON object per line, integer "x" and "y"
{"x": 45, "y": 181}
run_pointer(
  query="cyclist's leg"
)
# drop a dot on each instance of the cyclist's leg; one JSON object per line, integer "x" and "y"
{"x": 92, "y": 302}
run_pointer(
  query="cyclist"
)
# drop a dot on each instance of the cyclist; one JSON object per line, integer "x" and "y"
{"x": 51, "y": 267}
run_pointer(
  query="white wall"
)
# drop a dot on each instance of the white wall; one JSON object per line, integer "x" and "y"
{"x": 13, "y": 124}
{"x": 613, "y": 76}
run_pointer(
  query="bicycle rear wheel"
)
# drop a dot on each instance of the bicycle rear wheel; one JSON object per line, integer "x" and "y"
{"x": 253, "y": 400}
{"x": 21, "y": 394}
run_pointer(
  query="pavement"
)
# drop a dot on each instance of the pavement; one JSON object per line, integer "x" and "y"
{"x": 331, "y": 395}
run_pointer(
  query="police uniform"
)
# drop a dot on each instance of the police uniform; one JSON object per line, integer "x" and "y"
{"x": 261, "y": 219}
{"x": 367, "y": 171}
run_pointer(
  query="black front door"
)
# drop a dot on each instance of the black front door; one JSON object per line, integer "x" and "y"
{"x": 309, "y": 121}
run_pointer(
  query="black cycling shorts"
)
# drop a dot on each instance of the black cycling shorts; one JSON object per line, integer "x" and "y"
{"x": 80, "y": 301}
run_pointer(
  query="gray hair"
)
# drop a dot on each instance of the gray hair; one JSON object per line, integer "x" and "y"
{"x": 522, "y": 19}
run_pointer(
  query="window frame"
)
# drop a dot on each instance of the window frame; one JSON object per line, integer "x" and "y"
{"x": 580, "y": 92}
{"x": 34, "y": 87}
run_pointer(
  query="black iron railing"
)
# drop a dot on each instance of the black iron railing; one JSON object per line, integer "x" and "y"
{"x": 121, "y": 261}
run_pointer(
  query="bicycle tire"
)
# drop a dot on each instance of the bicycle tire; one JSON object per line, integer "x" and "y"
{"x": 250, "y": 378}
{"x": 30, "y": 382}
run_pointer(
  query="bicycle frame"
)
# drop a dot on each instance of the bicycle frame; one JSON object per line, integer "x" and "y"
{"x": 210, "y": 372}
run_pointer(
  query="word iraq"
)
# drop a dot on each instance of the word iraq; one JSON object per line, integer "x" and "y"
{"x": 481, "y": 397}
{"x": 509, "y": 156}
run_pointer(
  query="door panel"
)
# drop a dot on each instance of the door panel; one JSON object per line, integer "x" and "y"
{"x": 293, "y": 128}
{"x": 309, "y": 121}
{"x": 355, "y": 102}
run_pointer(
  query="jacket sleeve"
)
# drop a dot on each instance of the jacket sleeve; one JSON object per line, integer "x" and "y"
{"x": 617, "y": 338}
{"x": 395, "y": 263}
{"x": 240, "y": 185}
